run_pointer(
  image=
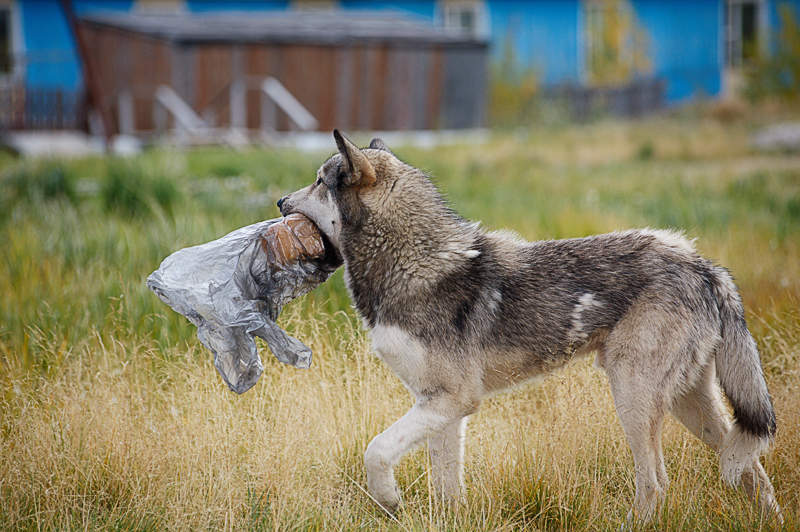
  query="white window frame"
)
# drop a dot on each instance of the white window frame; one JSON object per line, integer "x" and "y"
{"x": 733, "y": 53}
{"x": 449, "y": 14}
{"x": 17, "y": 43}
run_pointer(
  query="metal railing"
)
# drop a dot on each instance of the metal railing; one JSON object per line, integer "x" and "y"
{"x": 275, "y": 94}
{"x": 193, "y": 127}
{"x": 29, "y": 108}
{"x": 633, "y": 99}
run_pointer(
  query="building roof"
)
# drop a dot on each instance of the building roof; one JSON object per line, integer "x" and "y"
{"x": 295, "y": 27}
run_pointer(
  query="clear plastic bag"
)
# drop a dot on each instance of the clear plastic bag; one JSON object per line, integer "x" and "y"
{"x": 233, "y": 289}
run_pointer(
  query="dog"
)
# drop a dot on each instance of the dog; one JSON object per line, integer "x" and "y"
{"x": 459, "y": 313}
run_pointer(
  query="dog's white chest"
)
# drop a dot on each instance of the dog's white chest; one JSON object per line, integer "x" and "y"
{"x": 402, "y": 353}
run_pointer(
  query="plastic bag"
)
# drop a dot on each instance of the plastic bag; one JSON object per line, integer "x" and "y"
{"x": 233, "y": 289}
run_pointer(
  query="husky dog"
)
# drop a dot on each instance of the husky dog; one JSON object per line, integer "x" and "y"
{"x": 459, "y": 313}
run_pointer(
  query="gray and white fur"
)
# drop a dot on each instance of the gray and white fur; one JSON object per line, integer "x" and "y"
{"x": 458, "y": 313}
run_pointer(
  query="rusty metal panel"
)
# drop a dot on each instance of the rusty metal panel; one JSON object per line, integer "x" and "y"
{"x": 280, "y": 120}
{"x": 106, "y": 70}
{"x": 407, "y": 89}
{"x": 421, "y": 64}
{"x": 129, "y": 62}
{"x": 150, "y": 66}
{"x": 378, "y": 70}
{"x": 344, "y": 75}
{"x": 292, "y": 74}
{"x": 398, "y": 88}
{"x": 359, "y": 90}
{"x": 464, "y": 88}
{"x": 161, "y": 72}
{"x": 371, "y": 75}
{"x": 259, "y": 62}
{"x": 351, "y": 85}
{"x": 324, "y": 85}
{"x": 434, "y": 93}
{"x": 308, "y": 72}
{"x": 256, "y": 67}
{"x": 212, "y": 81}
{"x": 183, "y": 82}
{"x": 90, "y": 37}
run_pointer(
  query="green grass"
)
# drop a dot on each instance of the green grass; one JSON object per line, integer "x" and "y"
{"x": 113, "y": 417}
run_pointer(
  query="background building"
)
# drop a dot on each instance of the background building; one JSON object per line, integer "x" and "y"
{"x": 692, "y": 48}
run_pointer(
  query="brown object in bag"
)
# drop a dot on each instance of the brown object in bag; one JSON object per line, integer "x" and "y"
{"x": 294, "y": 238}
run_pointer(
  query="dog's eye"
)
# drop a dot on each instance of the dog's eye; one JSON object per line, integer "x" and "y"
{"x": 319, "y": 181}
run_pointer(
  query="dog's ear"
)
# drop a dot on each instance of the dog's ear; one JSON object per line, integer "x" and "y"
{"x": 357, "y": 169}
{"x": 378, "y": 144}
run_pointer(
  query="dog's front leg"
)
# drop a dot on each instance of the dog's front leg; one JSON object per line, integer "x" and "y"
{"x": 426, "y": 417}
{"x": 446, "y": 449}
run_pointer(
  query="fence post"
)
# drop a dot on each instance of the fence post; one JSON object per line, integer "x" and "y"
{"x": 125, "y": 107}
{"x": 238, "y": 91}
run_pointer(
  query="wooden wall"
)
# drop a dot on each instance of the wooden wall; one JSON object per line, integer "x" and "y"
{"x": 125, "y": 62}
{"x": 352, "y": 87}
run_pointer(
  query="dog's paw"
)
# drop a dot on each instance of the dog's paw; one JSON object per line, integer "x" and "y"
{"x": 384, "y": 490}
{"x": 394, "y": 505}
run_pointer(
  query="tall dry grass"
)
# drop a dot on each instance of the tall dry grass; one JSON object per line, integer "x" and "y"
{"x": 113, "y": 417}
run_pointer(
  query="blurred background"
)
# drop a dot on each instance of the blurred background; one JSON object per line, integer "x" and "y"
{"x": 129, "y": 130}
{"x": 129, "y": 73}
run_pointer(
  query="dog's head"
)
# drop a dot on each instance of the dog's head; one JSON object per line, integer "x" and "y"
{"x": 345, "y": 186}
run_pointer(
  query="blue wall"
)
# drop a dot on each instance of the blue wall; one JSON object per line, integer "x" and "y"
{"x": 82, "y": 7}
{"x": 52, "y": 56}
{"x": 685, "y": 36}
{"x": 52, "y": 60}
{"x": 543, "y": 34}
{"x": 200, "y": 6}
{"x": 774, "y": 13}
{"x": 686, "y": 44}
{"x": 546, "y": 37}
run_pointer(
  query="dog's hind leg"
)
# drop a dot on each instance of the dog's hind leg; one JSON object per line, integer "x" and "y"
{"x": 701, "y": 410}
{"x": 446, "y": 450}
{"x": 641, "y": 413}
{"x": 639, "y": 358}
{"x": 427, "y": 417}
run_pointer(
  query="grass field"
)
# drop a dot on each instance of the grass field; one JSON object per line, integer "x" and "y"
{"x": 112, "y": 415}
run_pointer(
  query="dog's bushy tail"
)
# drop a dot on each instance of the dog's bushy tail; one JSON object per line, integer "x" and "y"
{"x": 739, "y": 370}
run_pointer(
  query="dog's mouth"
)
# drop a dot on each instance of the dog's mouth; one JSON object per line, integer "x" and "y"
{"x": 332, "y": 258}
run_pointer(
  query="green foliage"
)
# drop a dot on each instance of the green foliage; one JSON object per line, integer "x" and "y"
{"x": 260, "y": 515}
{"x": 618, "y": 45}
{"x": 128, "y": 190}
{"x": 38, "y": 181}
{"x": 108, "y": 399}
{"x": 513, "y": 91}
{"x": 165, "y": 192}
{"x": 646, "y": 151}
{"x": 124, "y": 189}
{"x": 776, "y": 74}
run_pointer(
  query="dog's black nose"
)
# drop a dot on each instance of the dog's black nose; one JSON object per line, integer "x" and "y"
{"x": 280, "y": 202}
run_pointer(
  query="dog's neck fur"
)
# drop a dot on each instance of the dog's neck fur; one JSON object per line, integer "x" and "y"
{"x": 397, "y": 253}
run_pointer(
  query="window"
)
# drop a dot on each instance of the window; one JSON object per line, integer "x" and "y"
{"x": 743, "y": 31}
{"x": 468, "y": 17}
{"x": 6, "y": 57}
